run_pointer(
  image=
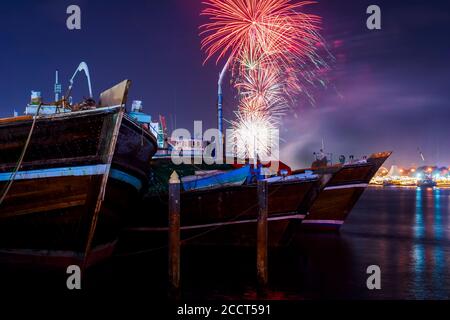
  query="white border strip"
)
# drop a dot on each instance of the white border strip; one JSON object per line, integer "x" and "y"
{"x": 348, "y": 186}
{"x": 218, "y": 224}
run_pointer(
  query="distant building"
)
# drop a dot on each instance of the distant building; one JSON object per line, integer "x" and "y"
{"x": 189, "y": 147}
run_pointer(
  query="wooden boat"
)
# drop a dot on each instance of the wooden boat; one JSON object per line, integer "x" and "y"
{"x": 225, "y": 215}
{"x": 215, "y": 178}
{"x": 334, "y": 203}
{"x": 62, "y": 204}
{"x": 427, "y": 182}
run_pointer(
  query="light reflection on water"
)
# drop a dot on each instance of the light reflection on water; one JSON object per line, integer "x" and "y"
{"x": 404, "y": 231}
{"x": 417, "y": 264}
{"x": 438, "y": 252}
{"x": 419, "y": 250}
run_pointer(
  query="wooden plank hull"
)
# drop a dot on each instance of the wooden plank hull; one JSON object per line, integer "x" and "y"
{"x": 134, "y": 150}
{"x": 46, "y": 215}
{"x": 225, "y": 216}
{"x": 333, "y": 205}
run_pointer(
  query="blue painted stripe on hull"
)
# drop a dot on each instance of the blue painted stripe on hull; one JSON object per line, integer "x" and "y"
{"x": 72, "y": 172}
{"x": 236, "y": 176}
{"x": 56, "y": 172}
{"x": 125, "y": 177}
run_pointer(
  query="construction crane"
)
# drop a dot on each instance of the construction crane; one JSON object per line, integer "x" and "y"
{"x": 82, "y": 67}
{"x": 421, "y": 155}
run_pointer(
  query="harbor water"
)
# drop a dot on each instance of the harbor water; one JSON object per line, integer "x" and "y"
{"x": 404, "y": 231}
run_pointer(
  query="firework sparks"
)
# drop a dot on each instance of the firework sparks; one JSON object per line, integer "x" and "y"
{"x": 273, "y": 49}
{"x": 263, "y": 89}
{"x": 253, "y": 134}
{"x": 260, "y": 34}
{"x": 275, "y": 26}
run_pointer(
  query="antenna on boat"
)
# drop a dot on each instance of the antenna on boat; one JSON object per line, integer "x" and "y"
{"x": 57, "y": 87}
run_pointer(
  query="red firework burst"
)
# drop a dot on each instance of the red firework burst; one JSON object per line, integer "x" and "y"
{"x": 269, "y": 26}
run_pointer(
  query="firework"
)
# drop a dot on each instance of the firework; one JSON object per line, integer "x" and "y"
{"x": 260, "y": 34}
{"x": 253, "y": 134}
{"x": 273, "y": 50}
{"x": 264, "y": 90}
{"x": 254, "y": 131}
{"x": 275, "y": 26}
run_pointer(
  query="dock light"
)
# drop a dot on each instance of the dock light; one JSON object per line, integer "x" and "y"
{"x": 413, "y": 170}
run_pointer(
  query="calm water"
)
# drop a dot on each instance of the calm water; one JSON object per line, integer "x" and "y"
{"x": 406, "y": 232}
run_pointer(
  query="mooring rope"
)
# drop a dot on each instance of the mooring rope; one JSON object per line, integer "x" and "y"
{"x": 22, "y": 155}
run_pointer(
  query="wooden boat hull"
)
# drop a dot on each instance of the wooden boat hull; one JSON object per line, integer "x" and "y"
{"x": 46, "y": 215}
{"x": 234, "y": 177}
{"x": 224, "y": 216}
{"x": 333, "y": 205}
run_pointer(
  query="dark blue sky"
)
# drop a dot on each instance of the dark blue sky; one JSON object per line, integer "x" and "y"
{"x": 389, "y": 89}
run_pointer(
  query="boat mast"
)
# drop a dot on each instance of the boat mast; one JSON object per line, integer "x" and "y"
{"x": 57, "y": 87}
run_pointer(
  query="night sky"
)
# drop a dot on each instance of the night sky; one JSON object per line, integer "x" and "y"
{"x": 388, "y": 89}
